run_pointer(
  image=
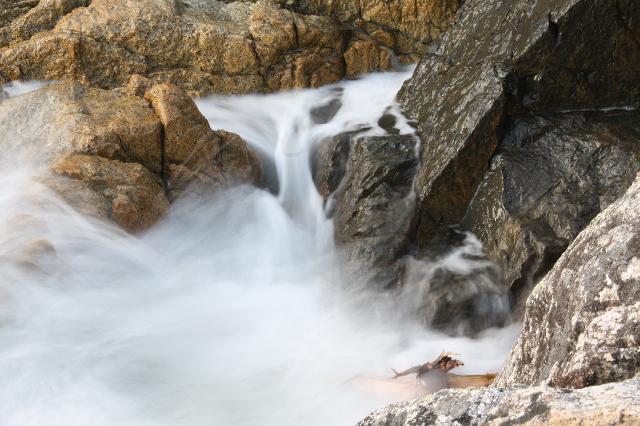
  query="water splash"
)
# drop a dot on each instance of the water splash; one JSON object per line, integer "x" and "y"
{"x": 228, "y": 312}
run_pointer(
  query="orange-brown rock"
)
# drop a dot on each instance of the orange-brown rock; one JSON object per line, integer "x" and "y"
{"x": 114, "y": 156}
{"x": 193, "y": 153}
{"x": 222, "y": 47}
{"x": 404, "y": 26}
{"x": 364, "y": 56}
{"x": 24, "y": 18}
{"x": 129, "y": 194}
{"x": 70, "y": 117}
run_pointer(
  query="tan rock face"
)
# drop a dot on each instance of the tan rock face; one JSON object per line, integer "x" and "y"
{"x": 70, "y": 117}
{"x": 223, "y": 47}
{"x": 193, "y": 153}
{"x": 404, "y": 26}
{"x": 132, "y": 196}
{"x": 23, "y": 19}
{"x": 365, "y": 56}
{"x": 114, "y": 156}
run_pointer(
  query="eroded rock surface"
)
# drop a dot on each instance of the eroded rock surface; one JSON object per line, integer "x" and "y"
{"x": 581, "y": 323}
{"x": 617, "y": 403}
{"x": 122, "y": 157}
{"x": 507, "y": 149}
{"x": 404, "y": 26}
{"x": 549, "y": 178}
{"x": 502, "y": 58}
{"x": 213, "y": 46}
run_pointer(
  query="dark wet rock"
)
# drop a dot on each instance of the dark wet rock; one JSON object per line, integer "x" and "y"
{"x": 329, "y": 163}
{"x": 502, "y": 58}
{"x": 551, "y": 176}
{"x": 388, "y": 123}
{"x": 454, "y": 287}
{"x": 582, "y": 323}
{"x": 375, "y": 206}
{"x": 324, "y": 113}
{"x": 609, "y": 404}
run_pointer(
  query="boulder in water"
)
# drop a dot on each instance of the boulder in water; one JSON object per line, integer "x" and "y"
{"x": 127, "y": 193}
{"x": 375, "y": 206}
{"x": 115, "y": 156}
{"x": 582, "y": 323}
{"x": 549, "y": 178}
{"x": 453, "y": 287}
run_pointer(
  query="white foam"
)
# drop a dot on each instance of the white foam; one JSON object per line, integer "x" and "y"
{"x": 229, "y": 312}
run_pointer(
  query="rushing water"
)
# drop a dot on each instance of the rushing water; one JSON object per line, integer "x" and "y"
{"x": 231, "y": 311}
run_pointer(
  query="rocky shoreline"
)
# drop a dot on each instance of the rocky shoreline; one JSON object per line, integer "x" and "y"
{"x": 527, "y": 143}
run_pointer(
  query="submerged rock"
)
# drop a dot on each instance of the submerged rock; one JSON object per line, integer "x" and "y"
{"x": 115, "y": 156}
{"x": 599, "y": 405}
{"x": 582, "y": 324}
{"x": 214, "y": 46}
{"x": 453, "y": 287}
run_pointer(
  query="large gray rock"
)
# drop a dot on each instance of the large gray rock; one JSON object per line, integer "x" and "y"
{"x": 610, "y": 404}
{"x": 375, "y": 206}
{"x": 549, "y": 178}
{"x": 504, "y": 58}
{"x": 582, "y": 324}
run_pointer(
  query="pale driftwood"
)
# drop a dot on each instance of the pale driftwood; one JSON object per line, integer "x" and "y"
{"x": 444, "y": 363}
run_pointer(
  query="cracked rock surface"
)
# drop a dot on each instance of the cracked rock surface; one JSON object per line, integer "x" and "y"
{"x": 617, "y": 403}
{"x": 212, "y": 46}
{"x": 582, "y": 325}
{"x": 505, "y": 89}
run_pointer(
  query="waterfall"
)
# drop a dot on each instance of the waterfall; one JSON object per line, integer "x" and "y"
{"x": 230, "y": 311}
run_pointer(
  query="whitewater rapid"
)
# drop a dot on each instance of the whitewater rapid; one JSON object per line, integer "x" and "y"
{"x": 231, "y": 311}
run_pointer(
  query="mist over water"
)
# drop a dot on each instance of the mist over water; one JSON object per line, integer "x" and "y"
{"x": 231, "y": 311}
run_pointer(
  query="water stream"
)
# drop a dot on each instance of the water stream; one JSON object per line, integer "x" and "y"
{"x": 231, "y": 311}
